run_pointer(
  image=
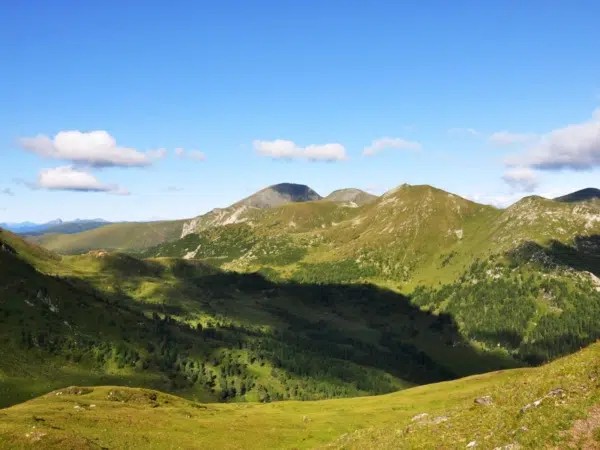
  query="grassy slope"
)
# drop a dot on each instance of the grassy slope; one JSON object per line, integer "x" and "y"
{"x": 68, "y": 228}
{"x": 411, "y": 236}
{"x": 394, "y": 236}
{"x": 128, "y": 418}
{"x": 417, "y": 236}
{"x": 350, "y": 195}
{"x": 132, "y": 236}
{"x": 91, "y": 318}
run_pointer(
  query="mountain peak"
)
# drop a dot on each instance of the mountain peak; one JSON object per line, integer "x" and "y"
{"x": 280, "y": 194}
{"x": 580, "y": 196}
{"x": 353, "y": 195}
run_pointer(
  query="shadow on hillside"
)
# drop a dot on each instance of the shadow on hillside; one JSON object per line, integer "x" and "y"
{"x": 582, "y": 255}
{"x": 324, "y": 334}
{"x": 359, "y": 323}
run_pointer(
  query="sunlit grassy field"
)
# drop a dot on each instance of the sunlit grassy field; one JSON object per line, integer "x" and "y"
{"x": 442, "y": 415}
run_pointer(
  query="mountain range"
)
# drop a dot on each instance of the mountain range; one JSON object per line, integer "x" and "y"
{"x": 288, "y": 295}
{"x": 54, "y": 226}
{"x": 583, "y": 195}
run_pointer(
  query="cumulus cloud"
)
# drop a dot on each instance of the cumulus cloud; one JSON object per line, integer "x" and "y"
{"x": 498, "y": 138}
{"x": 283, "y": 149}
{"x": 499, "y": 201}
{"x": 68, "y": 178}
{"x": 386, "y": 143}
{"x": 506, "y": 138}
{"x": 159, "y": 153}
{"x": 575, "y": 147}
{"x": 94, "y": 149}
{"x": 464, "y": 132}
{"x": 521, "y": 179}
{"x": 7, "y": 191}
{"x": 190, "y": 154}
{"x": 376, "y": 189}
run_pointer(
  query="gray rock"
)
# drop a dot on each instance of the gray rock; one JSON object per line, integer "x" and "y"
{"x": 484, "y": 401}
{"x": 438, "y": 420}
{"x": 420, "y": 417}
{"x": 558, "y": 392}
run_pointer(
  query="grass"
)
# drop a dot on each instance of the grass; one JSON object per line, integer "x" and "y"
{"x": 128, "y": 418}
{"x": 191, "y": 329}
{"x": 131, "y": 236}
{"x": 313, "y": 337}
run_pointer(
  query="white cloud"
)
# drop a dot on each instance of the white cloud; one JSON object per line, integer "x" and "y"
{"x": 505, "y": 138}
{"x": 521, "y": 179}
{"x": 282, "y": 149}
{"x": 190, "y": 154}
{"x": 196, "y": 154}
{"x": 376, "y": 189}
{"x": 7, "y": 191}
{"x": 499, "y": 138}
{"x": 387, "y": 142}
{"x": 94, "y": 148}
{"x": 68, "y": 178}
{"x": 464, "y": 132}
{"x": 499, "y": 201}
{"x": 575, "y": 147}
{"x": 157, "y": 154}
{"x": 173, "y": 189}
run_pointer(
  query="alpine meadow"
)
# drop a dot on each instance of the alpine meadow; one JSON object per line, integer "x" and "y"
{"x": 316, "y": 225}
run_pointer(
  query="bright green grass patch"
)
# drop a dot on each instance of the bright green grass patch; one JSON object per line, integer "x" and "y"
{"x": 123, "y": 418}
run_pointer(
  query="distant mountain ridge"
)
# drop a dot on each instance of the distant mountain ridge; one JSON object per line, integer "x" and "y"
{"x": 279, "y": 194}
{"x": 287, "y": 209}
{"x": 269, "y": 197}
{"x": 407, "y": 234}
{"x": 580, "y": 196}
{"x": 57, "y": 226}
{"x": 350, "y": 195}
{"x": 76, "y": 226}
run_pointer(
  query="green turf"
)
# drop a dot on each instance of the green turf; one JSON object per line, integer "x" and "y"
{"x": 130, "y": 418}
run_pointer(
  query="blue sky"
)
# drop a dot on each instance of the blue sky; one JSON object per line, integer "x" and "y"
{"x": 472, "y": 97}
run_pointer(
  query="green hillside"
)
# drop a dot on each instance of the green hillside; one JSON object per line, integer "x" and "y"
{"x": 551, "y": 407}
{"x": 189, "y": 328}
{"x": 515, "y": 280}
{"x": 130, "y": 236}
{"x": 411, "y": 236}
{"x": 312, "y": 300}
{"x": 351, "y": 196}
{"x": 78, "y": 226}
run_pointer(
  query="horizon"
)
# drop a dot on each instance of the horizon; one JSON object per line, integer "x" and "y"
{"x": 300, "y": 184}
{"x": 144, "y": 114}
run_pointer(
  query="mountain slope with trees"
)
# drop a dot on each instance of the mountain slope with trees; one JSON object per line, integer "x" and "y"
{"x": 189, "y": 328}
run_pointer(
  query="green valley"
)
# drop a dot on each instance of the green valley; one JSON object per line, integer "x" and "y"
{"x": 287, "y": 296}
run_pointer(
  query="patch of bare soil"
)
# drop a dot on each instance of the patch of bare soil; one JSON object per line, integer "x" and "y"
{"x": 585, "y": 433}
